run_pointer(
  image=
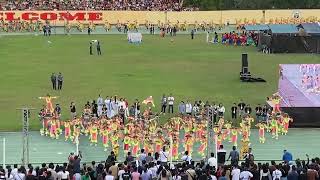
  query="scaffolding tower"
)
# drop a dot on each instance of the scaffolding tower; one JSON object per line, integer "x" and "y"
{"x": 25, "y": 134}
{"x": 210, "y": 134}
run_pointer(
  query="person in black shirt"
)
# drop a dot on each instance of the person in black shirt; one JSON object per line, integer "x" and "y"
{"x": 94, "y": 107}
{"x": 234, "y": 111}
{"x": 57, "y": 111}
{"x": 98, "y": 49}
{"x": 111, "y": 158}
{"x": 255, "y": 172}
{"x": 214, "y": 112}
{"x": 248, "y": 109}
{"x": 241, "y": 106}
{"x": 90, "y": 48}
{"x": 89, "y": 30}
{"x": 49, "y": 30}
{"x": 54, "y": 81}
{"x": 126, "y": 175}
{"x": 221, "y": 155}
{"x": 44, "y": 29}
{"x": 259, "y": 112}
{"x": 192, "y": 34}
{"x": 264, "y": 113}
{"x": 122, "y": 114}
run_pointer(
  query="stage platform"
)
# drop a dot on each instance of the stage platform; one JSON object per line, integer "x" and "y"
{"x": 299, "y": 87}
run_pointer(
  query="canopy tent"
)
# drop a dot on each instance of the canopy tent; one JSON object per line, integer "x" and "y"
{"x": 283, "y": 29}
{"x": 258, "y": 27}
{"x": 310, "y": 28}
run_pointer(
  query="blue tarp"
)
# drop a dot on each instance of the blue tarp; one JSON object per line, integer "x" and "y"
{"x": 283, "y": 28}
{"x": 260, "y": 27}
{"x": 310, "y": 28}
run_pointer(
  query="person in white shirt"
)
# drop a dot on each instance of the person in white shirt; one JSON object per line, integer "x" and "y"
{"x": 221, "y": 110}
{"x": 14, "y": 170}
{"x": 63, "y": 174}
{"x": 208, "y": 36}
{"x": 153, "y": 169}
{"x": 235, "y": 173}
{"x": 212, "y": 176}
{"x": 276, "y": 174}
{"x": 9, "y": 175}
{"x": 163, "y": 155}
{"x": 212, "y": 161}
{"x": 99, "y": 103}
{"x": 188, "y": 108}
{"x": 19, "y": 175}
{"x": 109, "y": 176}
{"x": 170, "y": 103}
{"x": 246, "y": 175}
{"x": 186, "y": 157}
{"x": 108, "y": 106}
{"x": 121, "y": 171}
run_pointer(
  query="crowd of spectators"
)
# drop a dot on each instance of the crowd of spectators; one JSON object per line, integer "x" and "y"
{"x": 157, "y": 167}
{"x": 133, "y": 5}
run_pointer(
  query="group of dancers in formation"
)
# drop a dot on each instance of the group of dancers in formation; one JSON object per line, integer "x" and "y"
{"x": 185, "y": 131}
{"x": 310, "y": 77}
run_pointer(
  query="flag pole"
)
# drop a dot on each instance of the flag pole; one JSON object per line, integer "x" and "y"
{"x": 171, "y": 144}
{"x": 4, "y": 153}
{"x": 216, "y": 148}
{"x": 77, "y": 146}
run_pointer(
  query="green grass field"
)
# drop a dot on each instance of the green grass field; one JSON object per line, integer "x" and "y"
{"x": 190, "y": 69}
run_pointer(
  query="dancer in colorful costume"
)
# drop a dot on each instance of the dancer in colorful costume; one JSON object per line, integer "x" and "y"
{"x": 67, "y": 130}
{"x": 262, "y": 128}
{"x": 48, "y": 100}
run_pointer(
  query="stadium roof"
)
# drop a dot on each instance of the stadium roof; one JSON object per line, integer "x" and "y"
{"x": 310, "y": 28}
{"x": 258, "y": 27}
{"x": 283, "y": 28}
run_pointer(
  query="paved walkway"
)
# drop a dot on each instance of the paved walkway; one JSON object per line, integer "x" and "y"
{"x": 43, "y": 149}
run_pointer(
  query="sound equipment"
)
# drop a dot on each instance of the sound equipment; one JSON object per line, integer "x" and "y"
{"x": 245, "y": 75}
{"x": 244, "y": 60}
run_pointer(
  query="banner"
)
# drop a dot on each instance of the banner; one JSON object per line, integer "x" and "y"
{"x": 62, "y": 18}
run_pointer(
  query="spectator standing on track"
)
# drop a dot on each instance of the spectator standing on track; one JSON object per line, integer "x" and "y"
{"x": 249, "y": 157}
{"x": 60, "y": 81}
{"x": 54, "y": 81}
{"x": 212, "y": 161}
{"x": 234, "y": 155}
{"x": 221, "y": 154}
{"x": 163, "y": 156}
{"x": 170, "y": 103}
{"x": 287, "y": 156}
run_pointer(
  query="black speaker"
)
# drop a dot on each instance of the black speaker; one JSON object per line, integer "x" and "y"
{"x": 244, "y": 60}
